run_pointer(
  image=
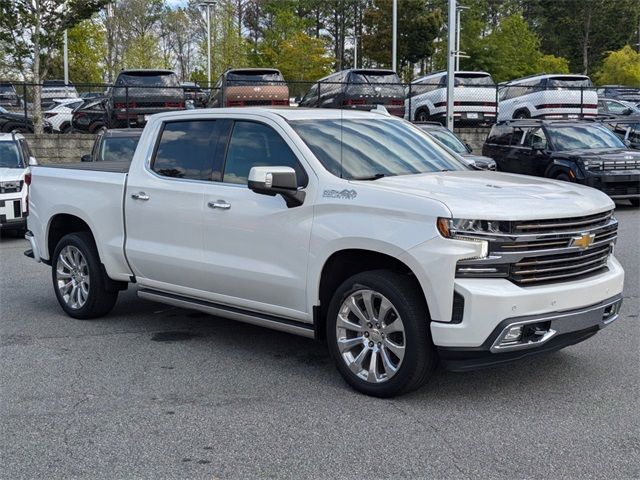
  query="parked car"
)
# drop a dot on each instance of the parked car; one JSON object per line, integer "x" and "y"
{"x": 627, "y": 129}
{"x": 90, "y": 117}
{"x": 396, "y": 252}
{"x": 56, "y": 89}
{"x": 116, "y": 145}
{"x": 474, "y": 97}
{"x": 548, "y": 96}
{"x": 16, "y": 123}
{"x": 8, "y": 95}
{"x": 453, "y": 142}
{"x": 573, "y": 151}
{"x": 61, "y": 112}
{"x": 15, "y": 161}
{"x": 137, "y": 94}
{"x": 193, "y": 92}
{"x": 358, "y": 89}
{"x": 244, "y": 87}
{"x": 608, "y": 107}
{"x": 620, "y": 92}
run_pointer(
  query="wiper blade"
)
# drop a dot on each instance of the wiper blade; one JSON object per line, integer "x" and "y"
{"x": 372, "y": 177}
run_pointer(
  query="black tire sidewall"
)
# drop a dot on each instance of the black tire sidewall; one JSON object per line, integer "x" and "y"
{"x": 93, "y": 307}
{"x": 419, "y": 349}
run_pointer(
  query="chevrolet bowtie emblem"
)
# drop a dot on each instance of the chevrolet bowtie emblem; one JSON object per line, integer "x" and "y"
{"x": 583, "y": 241}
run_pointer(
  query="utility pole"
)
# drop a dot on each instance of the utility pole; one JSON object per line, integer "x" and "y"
{"x": 451, "y": 61}
{"x": 66, "y": 58}
{"x": 394, "y": 48}
{"x": 459, "y": 53}
{"x": 208, "y": 4}
{"x": 355, "y": 51}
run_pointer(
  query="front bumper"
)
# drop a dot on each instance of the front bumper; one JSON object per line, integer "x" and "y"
{"x": 616, "y": 184}
{"x": 489, "y": 302}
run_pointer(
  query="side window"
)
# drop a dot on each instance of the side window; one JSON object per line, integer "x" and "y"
{"x": 535, "y": 137}
{"x": 616, "y": 107}
{"x": 257, "y": 145}
{"x": 311, "y": 94}
{"x": 186, "y": 149}
{"x": 500, "y": 135}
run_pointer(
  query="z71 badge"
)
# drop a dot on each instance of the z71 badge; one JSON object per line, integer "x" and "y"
{"x": 345, "y": 194}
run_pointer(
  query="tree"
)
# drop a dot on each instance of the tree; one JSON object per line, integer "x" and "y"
{"x": 86, "y": 43}
{"x": 621, "y": 67}
{"x": 552, "y": 64}
{"x": 33, "y": 30}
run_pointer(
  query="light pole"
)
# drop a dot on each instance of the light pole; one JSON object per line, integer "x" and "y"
{"x": 208, "y": 4}
{"x": 394, "y": 41}
{"x": 451, "y": 60}
{"x": 65, "y": 56}
{"x": 355, "y": 50}
{"x": 459, "y": 10}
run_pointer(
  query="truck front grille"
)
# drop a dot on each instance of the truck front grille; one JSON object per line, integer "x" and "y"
{"x": 547, "y": 251}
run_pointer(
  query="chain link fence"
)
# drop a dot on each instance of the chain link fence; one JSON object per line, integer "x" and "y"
{"x": 90, "y": 107}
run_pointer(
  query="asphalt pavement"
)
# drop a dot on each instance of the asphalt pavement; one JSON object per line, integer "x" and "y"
{"x": 155, "y": 392}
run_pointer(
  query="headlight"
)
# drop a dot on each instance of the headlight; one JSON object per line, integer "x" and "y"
{"x": 477, "y": 231}
{"x": 593, "y": 164}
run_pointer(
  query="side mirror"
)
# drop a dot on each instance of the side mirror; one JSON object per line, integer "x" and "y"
{"x": 627, "y": 111}
{"x": 469, "y": 149}
{"x": 276, "y": 180}
{"x": 627, "y": 142}
{"x": 32, "y": 161}
{"x": 85, "y": 158}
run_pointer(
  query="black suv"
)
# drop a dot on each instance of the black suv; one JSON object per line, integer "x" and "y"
{"x": 574, "y": 151}
{"x": 627, "y": 128}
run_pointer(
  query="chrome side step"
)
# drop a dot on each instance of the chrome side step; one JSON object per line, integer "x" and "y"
{"x": 232, "y": 313}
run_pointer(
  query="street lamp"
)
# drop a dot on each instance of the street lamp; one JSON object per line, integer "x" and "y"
{"x": 208, "y": 4}
{"x": 394, "y": 41}
{"x": 459, "y": 9}
{"x": 355, "y": 50}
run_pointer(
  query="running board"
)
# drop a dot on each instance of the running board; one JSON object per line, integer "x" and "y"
{"x": 232, "y": 313}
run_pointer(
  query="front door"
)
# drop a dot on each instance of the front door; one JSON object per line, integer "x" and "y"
{"x": 255, "y": 247}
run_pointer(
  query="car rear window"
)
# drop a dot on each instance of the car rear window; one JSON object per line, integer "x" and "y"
{"x": 249, "y": 77}
{"x": 473, "y": 80}
{"x": 374, "y": 77}
{"x": 148, "y": 79}
{"x": 569, "y": 82}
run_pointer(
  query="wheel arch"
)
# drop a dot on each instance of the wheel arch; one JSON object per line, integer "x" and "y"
{"x": 63, "y": 224}
{"x": 562, "y": 166}
{"x": 345, "y": 263}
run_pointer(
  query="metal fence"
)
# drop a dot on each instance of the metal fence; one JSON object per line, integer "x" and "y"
{"x": 88, "y": 107}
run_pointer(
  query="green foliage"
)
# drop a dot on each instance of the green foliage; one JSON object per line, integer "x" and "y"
{"x": 417, "y": 29}
{"x": 621, "y": 67}
{"x": 86, "y": 44}
{"x": 553, "y": 64}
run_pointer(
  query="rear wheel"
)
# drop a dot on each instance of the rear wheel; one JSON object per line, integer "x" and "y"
{"x": 378, "y": 333}
{"x": 522, "y": 114}
{"x": 422, "y": 115}
{"x": 79, "y": 279}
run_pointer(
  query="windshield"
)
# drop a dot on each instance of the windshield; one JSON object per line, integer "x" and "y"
{"x": 449, "y": 139}
{"x": 462, "y": 79}
{"x": 588, "y": 137}
{"x": 148, "y": 79}
{"x": 10, "y": 156}
{"x": 361, "y": 149}
{"x": 118, "y": 149}
{"x": 569, "y": 82}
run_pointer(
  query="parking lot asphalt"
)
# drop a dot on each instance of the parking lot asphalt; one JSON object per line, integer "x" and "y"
{"x": 157, "y": 392}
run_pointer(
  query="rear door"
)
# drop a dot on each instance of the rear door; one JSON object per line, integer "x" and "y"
{"x": 163, "y": 205}
{"x": 533, "y": 161}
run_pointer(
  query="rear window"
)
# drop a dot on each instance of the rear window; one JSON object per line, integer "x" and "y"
{"x": 473, "y": 80}
{"x": 374, "y": 77}
{"x": 569, "y": 82}
{"x": 148, "y": 79}
{"x": 117, "y": 149}
{"x": 249, "y": 77}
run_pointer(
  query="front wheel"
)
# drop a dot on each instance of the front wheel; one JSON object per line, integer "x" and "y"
{"x": 78, "y": 278}
{"x": 378, "y": 333}
{"x": 564, "y": 177}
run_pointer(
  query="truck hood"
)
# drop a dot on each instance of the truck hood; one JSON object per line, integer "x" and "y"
{"x": 11, "y": 174}
{"x": 500, "y": 196}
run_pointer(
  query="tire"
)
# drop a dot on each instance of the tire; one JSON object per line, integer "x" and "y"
{"x": 522, "y": 114}
{"x": 635, "y": 202}
{"x": 79, "y": 250}
{"x": 422, "y": 115}
{"x": 563, "y": 177}
{"x": 354, "y": 361}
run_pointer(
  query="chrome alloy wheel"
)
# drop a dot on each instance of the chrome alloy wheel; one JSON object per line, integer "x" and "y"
{"x": 370, "y": 336}
{"x": 72, "y": 277}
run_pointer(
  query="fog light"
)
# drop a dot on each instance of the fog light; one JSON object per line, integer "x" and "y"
{"x": 513, "y": 334}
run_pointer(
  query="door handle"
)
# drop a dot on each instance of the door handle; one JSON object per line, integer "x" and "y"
{"x": 221, "y": 204}
{"x": 140, "y": 196}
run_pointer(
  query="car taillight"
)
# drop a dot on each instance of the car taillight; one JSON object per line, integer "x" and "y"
{"x": 396, "y": 102}
{"x": 235, "y": 103}
{"x": 174, "y": 104}
{"x": 352, "y": 101}
{"x": 280, "y": 102}
{"x": 27, "y": 178}
{"x": 124, "y": 105}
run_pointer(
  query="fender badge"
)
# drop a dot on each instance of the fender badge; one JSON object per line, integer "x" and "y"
{"x": 344, "y": 194}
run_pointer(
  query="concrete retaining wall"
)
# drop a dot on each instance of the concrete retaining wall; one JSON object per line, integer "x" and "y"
{"x": 475, "y": 137}
{"x": 59, "y": 148}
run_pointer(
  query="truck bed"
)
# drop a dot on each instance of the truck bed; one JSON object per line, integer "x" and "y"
{"x": 113, "y": 167}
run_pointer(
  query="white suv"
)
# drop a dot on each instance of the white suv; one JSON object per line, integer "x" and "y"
{"x": 474, "y": 97}
{"x": 548, "y": 96}
{"x": 15, "y": 160}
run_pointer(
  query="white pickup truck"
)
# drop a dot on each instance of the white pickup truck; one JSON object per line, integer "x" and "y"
{"x": 348, "y": 225}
